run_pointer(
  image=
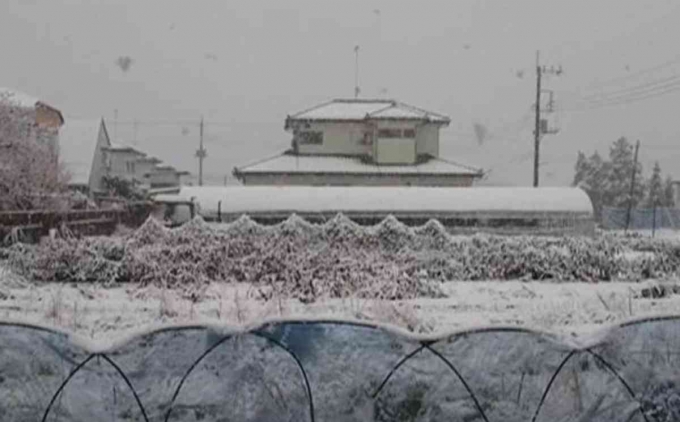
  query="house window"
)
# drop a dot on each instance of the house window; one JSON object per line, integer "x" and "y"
{"x": 397, "y": 133}
{"x": 389, "y": 133}
{"x": 310, "y": 138}
{"x": 130, "y": 167}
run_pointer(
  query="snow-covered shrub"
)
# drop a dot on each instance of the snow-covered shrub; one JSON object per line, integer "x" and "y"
{"x": 151, "y": 232}
{"x": 337, "y": 259}
{"x": 69, "y": 260}
{"x": 30, "y": 175}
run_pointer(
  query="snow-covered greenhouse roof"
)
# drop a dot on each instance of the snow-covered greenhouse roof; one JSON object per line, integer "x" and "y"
{"x": 320, "y": 164}
{"x": 361, "y": 109}
{"x": 412, "y": 200}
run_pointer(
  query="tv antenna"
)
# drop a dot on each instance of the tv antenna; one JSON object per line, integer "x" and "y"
{"x": 356, "y": 72}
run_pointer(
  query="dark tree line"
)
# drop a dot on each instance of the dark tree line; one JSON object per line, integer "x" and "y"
{"x": 608, "y": 182}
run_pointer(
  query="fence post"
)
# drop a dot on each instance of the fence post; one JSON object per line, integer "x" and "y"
{"x": 219, "y": 211}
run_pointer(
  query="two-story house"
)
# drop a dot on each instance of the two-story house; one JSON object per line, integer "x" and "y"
{"x": 361, "y": 142}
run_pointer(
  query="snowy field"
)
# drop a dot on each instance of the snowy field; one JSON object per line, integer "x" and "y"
{"x": 93, "y": 311}
{"x": 413, "y": 279}
{"x": 165, "y": 269}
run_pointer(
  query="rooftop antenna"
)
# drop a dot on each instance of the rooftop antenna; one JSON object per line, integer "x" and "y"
{"x": 115, "y": 125}
{"x": 356, "y": 71}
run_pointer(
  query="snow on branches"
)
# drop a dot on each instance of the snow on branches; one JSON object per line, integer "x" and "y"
{"x": 30, "y": 175}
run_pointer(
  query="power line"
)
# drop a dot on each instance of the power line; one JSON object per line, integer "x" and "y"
{"x": 634, "y": 75}
{"x": 657, "y": 92}
{"x": 629, "y": 94}
{"x": 193, "y": 122}
{"x": 656, "y": 23}
{"x": 649, "y": 85}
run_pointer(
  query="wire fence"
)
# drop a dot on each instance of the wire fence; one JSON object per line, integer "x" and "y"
{"x": 641, "y": 218}
{"x": 342, "y": 371}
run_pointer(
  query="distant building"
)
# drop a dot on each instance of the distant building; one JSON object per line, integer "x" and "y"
{"x": 82, "y": 151}
{"x": 361, "y": 142}
{"x": 47, "y": 118}
{"x": 129, "y": 163}
{"x": 89, "y": 155}
{"x": 123, "y": 161}
{"x": 165, "y": 177}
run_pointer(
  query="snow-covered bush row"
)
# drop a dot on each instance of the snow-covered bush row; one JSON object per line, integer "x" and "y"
{"x": 339, "y": 258}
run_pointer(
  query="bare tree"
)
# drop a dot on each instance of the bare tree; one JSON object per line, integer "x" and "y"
{"x": 30, "y": 174}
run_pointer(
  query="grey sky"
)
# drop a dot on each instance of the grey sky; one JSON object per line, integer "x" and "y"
{"x": 244, "y": 65}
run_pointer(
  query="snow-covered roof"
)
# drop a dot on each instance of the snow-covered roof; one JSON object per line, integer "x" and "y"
{"x": 318, "y": 164}
{"x": 359, "y": 109}
{"x": 153, "y": 160}
{"x": 307, "y": 199}
{"x": 16, "y": 98}
{"x": 77, "y": 145}
{"x": 121, "y": 147}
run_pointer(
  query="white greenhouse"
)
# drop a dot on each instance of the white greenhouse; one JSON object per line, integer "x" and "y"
{"x": 462, "y": 210}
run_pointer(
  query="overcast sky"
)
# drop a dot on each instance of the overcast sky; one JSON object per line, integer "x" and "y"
{"x": 245, "y": 65}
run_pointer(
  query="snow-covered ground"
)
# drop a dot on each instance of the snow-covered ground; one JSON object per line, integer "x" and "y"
{"x": 94, "y": 311}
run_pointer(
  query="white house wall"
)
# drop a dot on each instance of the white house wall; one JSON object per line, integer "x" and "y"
{"x": 338, "y": 138}
{"x": 118, "y": 160}
{"x": 348, "y": 138}
{"x": 142, "y": 168}
{"x": 357, "y": 180}
{"x": 396, "y": 124}
{"x": 396, "y": 151}
{"x": 427, "y": 140}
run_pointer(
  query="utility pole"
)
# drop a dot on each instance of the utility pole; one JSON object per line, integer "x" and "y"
{"x": 541, "y": 125}
{"x": 632, "y": 184}
{"x": 115, "y": 125}
{"x": 356, "y": 71}
{"x": 537, "y": 125}
{"x": 201, "y": 153}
